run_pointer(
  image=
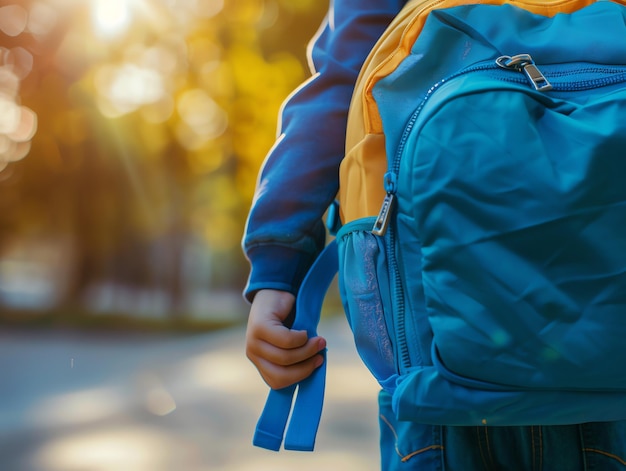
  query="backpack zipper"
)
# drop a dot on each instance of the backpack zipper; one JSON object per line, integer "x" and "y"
{"x": 518, "y": 63}
{"x": 382, "y": 221}
{"x": 526, "y": 64}
{"x": 521, "y": 63}
{"x": 381, "y": 227}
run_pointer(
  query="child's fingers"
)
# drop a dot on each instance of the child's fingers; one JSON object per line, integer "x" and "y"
{"x": 287, "y": 356}
{"x": 278, "y": 377}
{"x": 282, "y": 337}
{"x": 282, "y": 356}
{"x": 265, "y": 323}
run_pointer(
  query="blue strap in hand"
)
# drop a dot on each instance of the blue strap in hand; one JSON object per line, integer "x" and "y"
{"x": 307, "y": 407}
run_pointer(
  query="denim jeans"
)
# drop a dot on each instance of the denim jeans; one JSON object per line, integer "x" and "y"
{"x": 410, "y": 446}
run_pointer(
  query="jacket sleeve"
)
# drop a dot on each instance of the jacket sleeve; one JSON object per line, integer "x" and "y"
{"x": 300, "y": 175}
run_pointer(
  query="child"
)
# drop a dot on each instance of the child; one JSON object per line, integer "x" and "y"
{"x": 285, "y": 233}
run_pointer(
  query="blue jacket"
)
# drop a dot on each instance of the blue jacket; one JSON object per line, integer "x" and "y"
{"x": 300, "y": 176}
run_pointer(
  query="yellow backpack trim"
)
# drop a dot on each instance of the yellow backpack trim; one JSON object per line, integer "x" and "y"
{"x": 361, "y": 173}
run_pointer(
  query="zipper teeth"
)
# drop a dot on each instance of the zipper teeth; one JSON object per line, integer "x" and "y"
{"x": 566, "y": 73}
{"x": 409, "y": 126}
{"x": 592, "y": 83}
{"x": 619, "y": 75}
{"x": 404, "y": 357}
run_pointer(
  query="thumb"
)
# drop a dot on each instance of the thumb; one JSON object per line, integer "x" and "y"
{"x": 279, "y": 304}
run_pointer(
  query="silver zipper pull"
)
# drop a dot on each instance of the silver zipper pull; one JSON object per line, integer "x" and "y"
{"x": 382, "y": 221}
{"x": 526, "y": 64}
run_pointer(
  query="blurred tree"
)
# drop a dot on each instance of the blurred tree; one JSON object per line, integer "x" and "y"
{"x": 153, "y": 119}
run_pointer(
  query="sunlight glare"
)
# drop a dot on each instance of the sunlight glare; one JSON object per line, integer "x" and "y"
{"x": 78, "y": 407}
{"x": 123, "y": 448}
{"x": 111, "y": 17}
{"x": 128, "y": 87}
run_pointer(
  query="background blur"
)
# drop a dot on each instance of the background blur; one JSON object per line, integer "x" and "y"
{"x": 131, "y": 133}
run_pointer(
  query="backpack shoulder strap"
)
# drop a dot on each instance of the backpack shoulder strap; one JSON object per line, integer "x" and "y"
{"x": 307, "y": 407}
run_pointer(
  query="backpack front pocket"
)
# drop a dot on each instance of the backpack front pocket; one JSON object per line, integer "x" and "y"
{"x": 365, "y": 293}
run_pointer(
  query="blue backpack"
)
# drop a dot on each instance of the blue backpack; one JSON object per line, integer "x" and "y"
{"x": 491, "y": 287}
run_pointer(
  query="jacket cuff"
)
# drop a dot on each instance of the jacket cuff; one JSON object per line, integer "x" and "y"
{"x": 276, "y": 267}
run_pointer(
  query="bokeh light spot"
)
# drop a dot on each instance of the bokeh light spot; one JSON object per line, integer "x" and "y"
{"x": 41, "y": 19}
{"x": 160, "y": 111}
{"x": 128, "y": 87}
{"x": 17, "y": 151}
{"x": 26, "y": 126}
{"x": 111, "y": 17}
{"x": 9, "y": 115}
{"x": 20, "y": 60}
{"x": 202, "y": 117}
{"x": 5, "y": 144}
{"x": 9, "y": 81}
{"x": 13, "y": 20}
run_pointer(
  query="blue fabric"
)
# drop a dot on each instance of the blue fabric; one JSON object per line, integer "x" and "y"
{"x": 505, "y": 263}
{"x": 284, "y": 232}
{"x": 408, "y": 445}
{"x": 309, "y": 393}
{"x": 411, "y": 446}
{"x": 271, "y": 426}
{"x": 364, "y": 288}
{"x": 300, "y": 178}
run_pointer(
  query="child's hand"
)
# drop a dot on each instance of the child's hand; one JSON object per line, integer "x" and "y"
{"x": 282, "y": 356}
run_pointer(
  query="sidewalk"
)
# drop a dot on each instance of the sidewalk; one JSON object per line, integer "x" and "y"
{"x": 73, "y": 402}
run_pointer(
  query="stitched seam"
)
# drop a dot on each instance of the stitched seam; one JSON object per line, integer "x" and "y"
{"x": 607, "y": 454}
{"x": 403, "y": 457}
{"x": 393, "y": 430}
{"x": 428, "y": 448}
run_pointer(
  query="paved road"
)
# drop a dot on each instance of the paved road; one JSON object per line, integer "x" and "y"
{"x": 130, "y": 402}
